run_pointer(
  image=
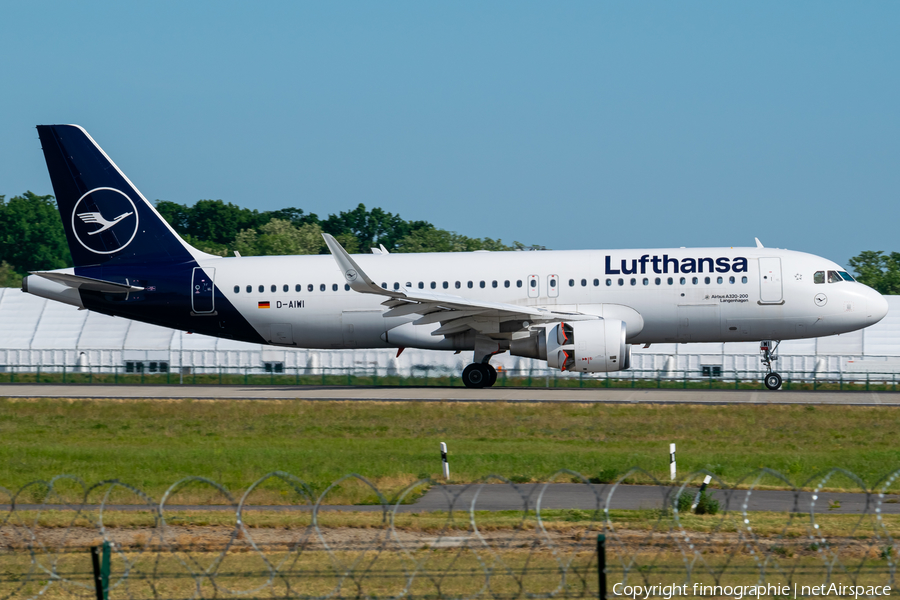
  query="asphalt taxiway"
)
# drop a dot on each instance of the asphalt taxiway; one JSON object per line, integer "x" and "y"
{"x": 448, "y": 394}
{"x": 587, "y": 497}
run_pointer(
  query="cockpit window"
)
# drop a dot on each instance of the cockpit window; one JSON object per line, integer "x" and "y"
{"x": 846, "y": 276}
{"x": 819, "y": 277}
{"x": 833, "y": 277}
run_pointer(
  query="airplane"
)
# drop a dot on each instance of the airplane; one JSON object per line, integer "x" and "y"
{"x": 579, "y": 310}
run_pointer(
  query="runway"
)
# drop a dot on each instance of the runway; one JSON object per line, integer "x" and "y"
{"x": 447, "y": 394}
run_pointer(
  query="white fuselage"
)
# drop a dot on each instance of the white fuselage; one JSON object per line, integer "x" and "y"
{"x": 771, "y": 295}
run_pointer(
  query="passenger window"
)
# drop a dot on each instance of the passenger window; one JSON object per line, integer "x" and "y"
{"x": 608, "y": 282}
{"x": 408, "y": 284}
{"x": 482, "y": 284}
{"x": 731, "y": 279}
{"x": 298, "y": 287}
{"x": 670, "y": 281}
{"x": 633, "y": 281}
{"x": 396, "y": 285}
{"x": 584, "y": 283}
{"x": 346, "y": 287}
{"x": 819, "y": 277}
{"x": 533, "y": 283}
{"x": 833, "y": 277}
{"x": 552, "y": 283}
{"x": 249, "y": 288}
{"x": 421, "y": 285}
{"x": 744, "y": 279}
{"x": 596, "y": 283}
{"x": 470, "y": 285}
{"x": 383, "y": 284}
{"x": 657, "y": 281}
{"x": 237, "y": 289}
{"x": 646, "y": 281}
{"x": 518, "y": 283}
{"x": 433, "y": 284}
{"x": 621, "y": 282}
{"x": 719, "y": 280}
{"x": 494, "y": 283}
{"x": 446, "y": 285}
{"x": 273, "y": 288}
{"x": 694, "y": 280}
{"x": 458, "y": 285}
{"x": 682, "y": 281}
{"x": 334, "y": 287}
{"x": 285, "y": 288}
{"x": 262, "y": 289}
{"x": 846, "y": 276}
{"x": 321, "y": 287}
{"x": 506, "y": 283}
{"x": 706, "y": 280}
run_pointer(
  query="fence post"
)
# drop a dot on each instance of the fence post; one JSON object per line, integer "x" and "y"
{"x": 601, "y": 566}
{"x": 100, "y": 556}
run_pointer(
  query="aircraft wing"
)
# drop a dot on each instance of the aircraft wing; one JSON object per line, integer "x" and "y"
{"x": 455, "y": 313}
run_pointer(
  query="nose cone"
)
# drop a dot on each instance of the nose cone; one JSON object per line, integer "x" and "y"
{"x": 877, "y": 306}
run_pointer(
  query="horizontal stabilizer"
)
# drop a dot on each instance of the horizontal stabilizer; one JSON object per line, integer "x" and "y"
{"x": 88, "y": 283}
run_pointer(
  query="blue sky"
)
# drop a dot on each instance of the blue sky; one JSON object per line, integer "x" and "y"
{"x": 573, "y": 125}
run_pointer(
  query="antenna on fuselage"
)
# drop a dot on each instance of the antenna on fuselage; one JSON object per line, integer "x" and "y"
{"x": 758, "y": 243}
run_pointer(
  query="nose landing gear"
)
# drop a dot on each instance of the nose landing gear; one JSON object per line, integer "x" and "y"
{"x": 769, "y": 350}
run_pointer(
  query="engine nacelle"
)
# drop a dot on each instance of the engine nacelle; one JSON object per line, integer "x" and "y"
{"x": 588, "y": 346}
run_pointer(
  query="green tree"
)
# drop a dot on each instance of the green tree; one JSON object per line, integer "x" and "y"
{"x": 879, "y": 271}
{"x": 278, "y": 237}
{"x": 372, "y": 228}
{"x": 440, "y": 240}
{"x": 8, "y": 276}
{"x": 31, "y": 234}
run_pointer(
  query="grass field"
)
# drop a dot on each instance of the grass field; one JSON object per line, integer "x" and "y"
{"x": 151, "y": 444}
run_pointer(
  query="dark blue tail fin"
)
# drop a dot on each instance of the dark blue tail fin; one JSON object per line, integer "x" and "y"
{"x": 107, "y": 220}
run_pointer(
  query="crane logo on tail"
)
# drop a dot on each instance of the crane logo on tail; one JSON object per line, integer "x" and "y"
{"x": 95, "y": 217}
{"x": 100, "y": 207}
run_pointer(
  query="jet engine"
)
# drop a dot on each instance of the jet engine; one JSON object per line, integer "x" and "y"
{"x": 596, "y": 346}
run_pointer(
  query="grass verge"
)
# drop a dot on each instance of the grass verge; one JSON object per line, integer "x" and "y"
{"x": 150, "y": 444}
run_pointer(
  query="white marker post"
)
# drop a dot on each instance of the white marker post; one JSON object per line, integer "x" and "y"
{"x": 444, "y": 462}
{"x": 706, "y": 481}
{"x": 672, "y": 461}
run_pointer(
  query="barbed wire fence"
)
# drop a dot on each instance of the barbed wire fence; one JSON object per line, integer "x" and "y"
{"x": 64, "y": 538}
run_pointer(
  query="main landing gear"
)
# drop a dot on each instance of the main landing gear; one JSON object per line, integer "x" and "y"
{"x": 769, "y": 349}
{"x": 479, "y": 375}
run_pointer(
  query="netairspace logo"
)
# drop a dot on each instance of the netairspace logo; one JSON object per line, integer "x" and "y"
{"x": 748, "y": 591}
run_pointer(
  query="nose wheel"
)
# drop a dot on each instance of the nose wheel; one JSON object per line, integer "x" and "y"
{"x": 479, "y": 375}
{"x": 768, "y": 349}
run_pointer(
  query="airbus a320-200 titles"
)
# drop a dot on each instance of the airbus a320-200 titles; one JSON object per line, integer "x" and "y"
{"x": 577, "y": 310}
